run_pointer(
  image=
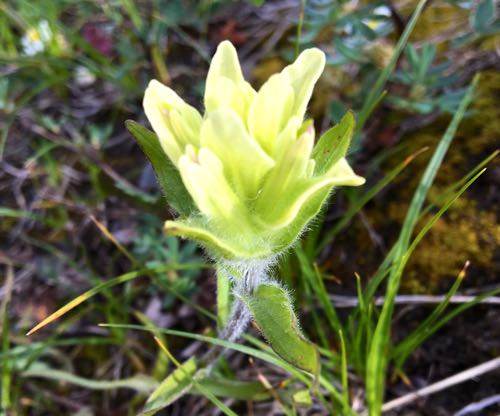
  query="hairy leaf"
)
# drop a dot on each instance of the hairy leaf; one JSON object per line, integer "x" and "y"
{"x": 333, "y": 144}
{"x": 167, "y": 174}
{"x": 274, "y": 315}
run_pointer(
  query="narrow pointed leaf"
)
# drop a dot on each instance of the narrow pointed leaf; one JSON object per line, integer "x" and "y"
{"x": 173, "y": 387}
{"x": 139, "y": 383}
{"x": 167, "y": 174}
{"x": 235, "y": 389}
{"x": 333, "y": 144}
{"x": 88, "y": 294}
{"x": 273, "y": 312}
{"x": 377, "y": 358}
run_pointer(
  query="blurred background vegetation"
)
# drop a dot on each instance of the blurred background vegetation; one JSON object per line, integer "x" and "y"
{"x": 79, "y": 203}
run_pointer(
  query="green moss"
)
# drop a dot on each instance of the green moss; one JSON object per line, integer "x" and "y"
{"x": 467, "y": 231}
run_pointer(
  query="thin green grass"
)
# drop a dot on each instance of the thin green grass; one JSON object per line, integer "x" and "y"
{"x": 265, "y": 355}
{"x": 208, "y": 394}
{"x": 346, "y": 407}
{"x": 5, "y": 391}
{"x": 363, "y": 200}
{"x": 100, "y": 288}
{"x": 377, "y": 358}
{"x": 345, "y": 343}
{"x": 376, "y": 94}
{"x": 400, "y": 352}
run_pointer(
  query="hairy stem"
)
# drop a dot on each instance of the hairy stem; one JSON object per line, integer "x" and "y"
{"x": 235, "y": 327}
{"x": 240, "y": 316}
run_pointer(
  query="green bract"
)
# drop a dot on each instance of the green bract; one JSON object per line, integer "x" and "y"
{"x": 249, "y": 163}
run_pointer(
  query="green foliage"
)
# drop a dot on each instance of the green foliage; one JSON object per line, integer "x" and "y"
{"x": 168, "y": 176}
{"x": 273, "y": 312}
{"x": 426, "y": 82}
{"x": 484, "y": 17}
{"x": 377, "y": 358}
{"x": 333, "y": 144}
{"x": 153, "y": 249}
{"x": 174, "y": 386}
{"x": 65, "y": 156}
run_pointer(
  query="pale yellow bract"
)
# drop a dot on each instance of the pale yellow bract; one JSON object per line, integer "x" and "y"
{"x": 247, "y": 162}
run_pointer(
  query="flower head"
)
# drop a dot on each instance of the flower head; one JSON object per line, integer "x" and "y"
{"x": 41, "y": 38}
{"x": 249, "y": 162}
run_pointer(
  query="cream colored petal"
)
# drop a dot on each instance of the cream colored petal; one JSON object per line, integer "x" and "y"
{"x": 290, "y": 170}
{"x": 185, "y": 123}
{"x": 303, "y": 75}
{"x": 162, "y": 95}
{"x": 286, "y": 138}
{"x": 224, "y": 94}
{"x": 207, "y": 185}
{"x": 160, "y": 103}
{"x": 237, "y": 97}
{"x": 247, "y": 92}
{"x": 224, "y": 76}
{"x": 270, "y": 111}
{"x": 245, "y": 163}
{"x": 225, "y": 63}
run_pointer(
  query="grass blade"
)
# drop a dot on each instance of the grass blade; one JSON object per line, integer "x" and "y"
{"x": 141, "y": 384}
{"x": 267, "y": 355}
{"x": 361, "y": 202}
{"x": 376, "y": 93}
{"x": 5, "y": 402}
{"x": 401, "y": 352}
{"x": 344, "y": 375}
{"x": 94, "y": 291}
{"x": 377, "y": 358}
{"x": 316, "y": 282}
{"x": 187, "y": 377}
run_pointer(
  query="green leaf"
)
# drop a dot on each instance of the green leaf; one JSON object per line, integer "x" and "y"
{"x": 376, "y": 93}
{"x": 173, "y": 387}
{"x": 377, "y": 357}
{"x": 302, "y": 398}
{"x": 333, "y": 144}
{"x": 167, "y": 174}
{"x": 223, "y": 296}
{"x": 365, "y": 30}
{"x": 350, "y": 53}
{"x": 484, "y": 15}
{"x": 235, "y": 389}
{"x": 139, "y": 383}
{"x": 273, "y": 312}
{"x": 253, "y": 352}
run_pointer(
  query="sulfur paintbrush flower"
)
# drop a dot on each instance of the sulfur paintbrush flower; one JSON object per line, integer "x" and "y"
{"x": 249, "y": 163}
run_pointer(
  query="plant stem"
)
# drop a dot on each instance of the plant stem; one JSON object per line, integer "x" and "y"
{"x": 235, "y": 327}
{"x": 245, "y": 282}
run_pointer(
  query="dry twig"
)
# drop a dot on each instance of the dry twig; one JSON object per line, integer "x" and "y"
{"x": 341, "y": 301}
{"x": 443, "y": 384}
